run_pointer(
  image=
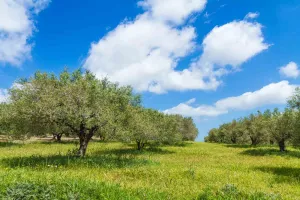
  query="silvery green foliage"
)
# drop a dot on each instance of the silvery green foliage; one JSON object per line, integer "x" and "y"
{"x": 77, "y": 104}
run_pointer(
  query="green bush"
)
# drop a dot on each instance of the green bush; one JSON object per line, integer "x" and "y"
{"x": 72, "y": 190}
{"x": 30, "y": 191}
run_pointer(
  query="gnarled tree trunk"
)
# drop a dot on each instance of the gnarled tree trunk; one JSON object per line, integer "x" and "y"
{"x": 281, "y": 144}
{"x": 254, "y": 141}
{"x": 140, "y": 145}
{"x": 57, "y": 137}
{"x": 85, "y": 135}
{"x": 233, "y": 140}
{"x": 83, "y": 146}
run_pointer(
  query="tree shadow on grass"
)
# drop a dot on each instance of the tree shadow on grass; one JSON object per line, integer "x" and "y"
{"x": 133, "y": 152}
{"x": 239, "y": 146}
{"x": 63, "y": 161}
{"x": 9, "y": 144}
{"x": 159, "y": 145}
{"x": 282, "y": 174}
{"x": 68, "y": 141}
{"x": 50, "y": 142}
{"x": 179, "y": 144}
{"x": 270, "y": 152}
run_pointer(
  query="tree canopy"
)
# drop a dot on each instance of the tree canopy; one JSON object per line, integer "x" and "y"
{"x": 78, "y": 104}
{"x": 263, "y": 128}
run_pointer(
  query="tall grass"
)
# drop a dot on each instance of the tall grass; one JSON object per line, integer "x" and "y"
{"x": 117, "y": 171}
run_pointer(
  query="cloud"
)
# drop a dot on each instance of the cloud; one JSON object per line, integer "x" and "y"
{"x": 291, "y": 70}
{"x": 226, "y": 48}
{"x": 272, "y": 94}
{"x": 146, "y": 52}
{"x": 174, "y": 11}
{"x": 16, "y": 28}
{"x": 3, "y": 95}
{"x": 233, "y": 43}
{"x": 191, "y": 101}
{"x": 140, "y": 53}
{"x": 252, "y": 15}
{"x": 187, "y": 110}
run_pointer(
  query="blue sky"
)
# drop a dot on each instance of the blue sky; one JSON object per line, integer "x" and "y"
{"x": 193, "y": 57}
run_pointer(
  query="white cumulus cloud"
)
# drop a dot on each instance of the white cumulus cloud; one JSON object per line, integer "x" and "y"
{"x": 140, "y": 53}
{"x": 145, "y": 52}
{"x": 191, "y": 101}
{"x": 226, "y": 48}
{"x": 16, "y": 28}
{"x": 233, "y": 43}
{"x": 252, "y": 15}
{"x": 291, "y": 70}
{"x": 175, "y": 11}
{"x": 188, "y": 110}
{"x": 272, "y": 94}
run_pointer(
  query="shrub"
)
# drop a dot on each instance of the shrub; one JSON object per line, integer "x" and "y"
{"x": 24, "y": 191}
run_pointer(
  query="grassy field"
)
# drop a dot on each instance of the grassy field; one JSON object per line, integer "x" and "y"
{"x": 115, "y": 171}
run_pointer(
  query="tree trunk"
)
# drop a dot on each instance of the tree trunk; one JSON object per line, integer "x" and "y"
{"x": 84, "y": 138}
{"x": 57, "y": 137}
{"x": 253, "y": 141}
{"x": 282, "y": 145}
{"x": 102, "y": 137}
{"x": 83, "y": 146}
{"x": 140, "y": 145}
{"x": 233, "y": 140}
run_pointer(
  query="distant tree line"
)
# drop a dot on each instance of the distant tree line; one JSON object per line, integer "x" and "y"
{"x": 270, "y": 127}
{"x": 80, "y": 105}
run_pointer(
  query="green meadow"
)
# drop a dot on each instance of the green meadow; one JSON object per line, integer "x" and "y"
{"x": 47, "y": 170}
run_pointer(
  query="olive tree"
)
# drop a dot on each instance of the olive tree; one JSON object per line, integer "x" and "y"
{"x": 282, "y": 127}
{"x": 235, "y": 131}
{"x": 189, "y": 129}
{"x": 147, "y": 126}
{"x": 294, "y": 103}
{"x": 213, "y": 136}
{"x": 170, "y": 128}
{"x": 4, "y": 125}
{"x": 140, "y": 127}
{"x": 74, "y": 101}
{"x": 255, "y": 129}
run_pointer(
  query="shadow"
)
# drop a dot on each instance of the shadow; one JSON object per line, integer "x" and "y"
{"x": 179, "y": 144}
{"x": 63, "y": 161}
{"x": 282, "y": 174}
{"x": 122, "y": 152}
{"x": 239, "y": 146}
{"x": 49, "y": 142}
{"x": 9, "y": 144}
{"x": 270, "y": 152}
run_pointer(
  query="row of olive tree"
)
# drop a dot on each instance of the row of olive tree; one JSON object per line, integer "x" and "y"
{"x": 78, "y": 104}
{"x": 263, "y": 128}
